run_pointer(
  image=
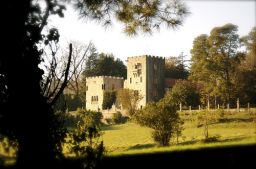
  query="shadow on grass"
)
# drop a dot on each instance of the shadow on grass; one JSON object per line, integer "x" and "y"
{"x": 141, "y": 146}
{"x": 188, "y": 142}
{"x": 221, "y": 157}
{"x": 214, "y": 139}
{"x": 233, "y": 139}
{"x": 227, "y": 120}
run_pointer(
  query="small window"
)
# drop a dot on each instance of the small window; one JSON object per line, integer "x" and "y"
{"x": 130, "y": 80}
{"x": 86, "y": 88}
{"x": 141, "y": 79}
{"x": 103, "y": 86}
{"x": 94, "y": 99}
{"x": 137, "y": 66}
{"x": 139, "y": 71}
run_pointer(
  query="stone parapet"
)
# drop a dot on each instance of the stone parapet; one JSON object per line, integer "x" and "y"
{"x": 111, "y": 77}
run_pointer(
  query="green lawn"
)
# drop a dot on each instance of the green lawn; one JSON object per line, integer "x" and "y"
{"x": 130, "y": 138}
{"x": 126, "y": 136}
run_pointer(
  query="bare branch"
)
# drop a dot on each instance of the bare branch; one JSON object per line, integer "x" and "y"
{"x": 64, "y": 84}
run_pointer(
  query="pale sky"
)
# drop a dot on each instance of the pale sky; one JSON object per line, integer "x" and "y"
{"x": 205, "y": 15}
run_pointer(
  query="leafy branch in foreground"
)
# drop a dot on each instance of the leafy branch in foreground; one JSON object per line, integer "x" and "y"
{"x": 136, "y": 15}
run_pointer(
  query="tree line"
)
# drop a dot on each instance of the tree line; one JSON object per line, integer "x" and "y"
{"x": 223, "y": 65}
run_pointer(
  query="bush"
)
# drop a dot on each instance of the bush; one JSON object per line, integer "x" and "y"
{"x": 84, "y": 143}
{"x": 118, "y": 118}
{"x": 90, "y": 118}
{"x": 70, "y": 121}
{"x": 162, "y": 137}
{"x": 108, "y": 120}
{"x": 129, "y": 99}
{"x": 163, "y": 119}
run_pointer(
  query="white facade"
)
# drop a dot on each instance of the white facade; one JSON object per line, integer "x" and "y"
{"x": 95, "y": 87}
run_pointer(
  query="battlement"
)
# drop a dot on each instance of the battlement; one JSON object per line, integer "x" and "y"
{"x": 104, "y": 77}
{"x": 145, "y": 56}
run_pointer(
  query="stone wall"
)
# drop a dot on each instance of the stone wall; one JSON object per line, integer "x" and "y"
{"x": 95, "y": 90}
{"x": 146, "y": 75}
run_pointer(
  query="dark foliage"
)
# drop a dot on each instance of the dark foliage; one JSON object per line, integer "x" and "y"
{"x": 118, "y": 118}
{"x": 175, "y": 68}
{"x": 104, "y": 65}
{"x": 68, "y": 102}
{"x": 185, "y": 92}
{"x": 25, "y": 115}
{"x": 109, "y": 98}
{"x": 85, "y": 145}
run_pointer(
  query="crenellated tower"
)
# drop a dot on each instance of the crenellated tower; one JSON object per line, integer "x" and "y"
{"x": 146, "y": 75}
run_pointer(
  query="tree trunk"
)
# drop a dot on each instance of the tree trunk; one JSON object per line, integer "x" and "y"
{"x": 30, "y": 119}
{"x": 34, "y": 119}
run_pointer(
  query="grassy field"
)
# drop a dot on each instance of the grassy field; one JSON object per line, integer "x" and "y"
{"x": 235, "y": 128}
{"x": 129, "y": 138}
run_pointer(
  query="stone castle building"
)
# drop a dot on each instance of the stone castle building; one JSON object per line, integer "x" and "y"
{"x": 95, "y": 87}
{"x": 145, "y": 74}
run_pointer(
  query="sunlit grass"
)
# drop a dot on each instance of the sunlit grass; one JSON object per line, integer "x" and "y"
{"x": 237, "y": 128}
{"x": 130, "y": 138}
{"x": 121, "y": 137}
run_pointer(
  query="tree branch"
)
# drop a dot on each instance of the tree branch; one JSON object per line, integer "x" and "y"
{"x": 64, "y": 84}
